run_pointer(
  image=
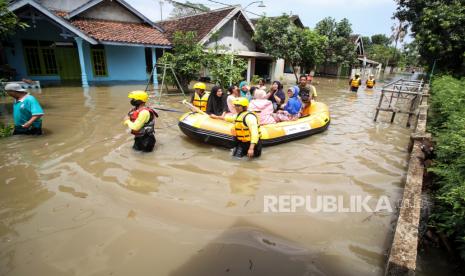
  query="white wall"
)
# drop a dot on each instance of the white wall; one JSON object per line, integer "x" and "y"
{"x": 241, "y": 42}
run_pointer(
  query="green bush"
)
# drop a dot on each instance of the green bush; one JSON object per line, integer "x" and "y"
{"x": 6, "y": 130}
{"x": 187, "y": 58}
{"x": 447, "y": 124}
{"x": 255, "y": 79}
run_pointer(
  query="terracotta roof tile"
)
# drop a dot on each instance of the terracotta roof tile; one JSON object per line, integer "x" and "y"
{"x": 141, "y": 33}
{"x": 124, "y": 32}
{"x": 116, "y": 31}
{"x": 201, "y": 23}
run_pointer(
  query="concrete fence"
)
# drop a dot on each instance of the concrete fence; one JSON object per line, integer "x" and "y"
{"x": 403, "y": 254}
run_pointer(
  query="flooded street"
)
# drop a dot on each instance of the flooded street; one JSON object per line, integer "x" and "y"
{"x": 80, "y": 201}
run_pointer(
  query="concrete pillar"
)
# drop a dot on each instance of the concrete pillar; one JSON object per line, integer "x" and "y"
{"x": 271, "y": 71}
{"x": 154, "y": 61}
{"x": 279, "y": 69}
{"x": 79, "y": 43}
{"x": 249, "y": 69}
{"x": 252, "y": 66}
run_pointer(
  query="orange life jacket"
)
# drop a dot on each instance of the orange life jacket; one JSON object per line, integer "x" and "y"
{"x": 148, "y": 127}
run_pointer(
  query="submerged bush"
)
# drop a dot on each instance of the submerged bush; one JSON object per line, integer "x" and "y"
{"x": 6, "y": 130}
{"x": 447, "y": 124}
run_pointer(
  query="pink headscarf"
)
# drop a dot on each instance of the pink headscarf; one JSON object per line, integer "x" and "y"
{"x": 263, "y": 106}
{"x": 259, "y": 94}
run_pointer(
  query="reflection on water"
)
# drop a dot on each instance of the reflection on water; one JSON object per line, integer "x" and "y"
{"x": 79, "y": 201}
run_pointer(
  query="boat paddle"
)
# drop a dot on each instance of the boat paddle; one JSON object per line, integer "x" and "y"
{"x": 192, "y": 107}
{"x": 169, "y": 110}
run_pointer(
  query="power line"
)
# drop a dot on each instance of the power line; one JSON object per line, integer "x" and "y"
{"x": 213, "y": 1}
{"x": 187, "y": 5}
{"x": 217, "y": 2}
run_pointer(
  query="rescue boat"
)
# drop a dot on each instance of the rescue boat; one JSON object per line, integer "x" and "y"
{"x": 200, "y": 127}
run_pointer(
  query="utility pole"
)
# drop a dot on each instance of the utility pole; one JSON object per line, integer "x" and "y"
{"x": 432, "y": 72}
{"x": 161, "y": 9}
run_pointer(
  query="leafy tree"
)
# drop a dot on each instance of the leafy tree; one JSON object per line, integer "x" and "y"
{"x": 387, "y": 55}
{"x": 8, "y": 20}
{"x": 312, "y": 48}
{"x": 380, "y": 39}
{"x": 340, "y": 48}
{"x": 366, "y": 43}
{"x": 280, "y": 38}
{"x": 439, "y": 29}
{"x": 382, "y": 51}
{"x": 410, "y": 54}
{"x": 187, "y": 57}
{"x": 399, "y": 31}
{"x": 222, "y": 71}
{"x": 188, "y": 8}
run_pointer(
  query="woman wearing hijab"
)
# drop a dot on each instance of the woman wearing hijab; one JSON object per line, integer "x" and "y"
{"x": 291, "y": 108}
{"x": 262, "y": 107}
{"x": 276, "y": 95}
{"x": 217, "y": 102}
{"x": 244, "y": 88}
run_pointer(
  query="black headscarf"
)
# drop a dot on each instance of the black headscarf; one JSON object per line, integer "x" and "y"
{"x": 217, "y": 105}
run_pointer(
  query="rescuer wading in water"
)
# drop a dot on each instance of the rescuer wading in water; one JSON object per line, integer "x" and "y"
{"x": 141, "y": 121}
{"x": 247, "y": 129}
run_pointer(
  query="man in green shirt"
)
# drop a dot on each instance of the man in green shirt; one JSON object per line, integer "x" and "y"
{"x": 27, "y": 112}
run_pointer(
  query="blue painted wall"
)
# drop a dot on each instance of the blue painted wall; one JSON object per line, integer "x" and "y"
{"x": 41, "y": 30}
{"x": 124, "y": 63}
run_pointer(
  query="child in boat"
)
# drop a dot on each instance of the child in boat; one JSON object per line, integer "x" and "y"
{"x": 292, "y": 107}
{"x": 262, "y": 107}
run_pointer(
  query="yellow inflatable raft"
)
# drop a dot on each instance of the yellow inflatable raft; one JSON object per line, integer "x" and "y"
{"x": 218, "y": 132}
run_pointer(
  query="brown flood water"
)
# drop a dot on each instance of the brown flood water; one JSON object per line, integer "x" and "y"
{"x": 79, "y": 201}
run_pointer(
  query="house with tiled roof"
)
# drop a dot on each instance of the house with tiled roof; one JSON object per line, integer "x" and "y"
{"x": 229, "y": 28}
{"x": 83, "y": 40}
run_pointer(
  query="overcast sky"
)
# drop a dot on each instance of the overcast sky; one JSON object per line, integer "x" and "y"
{"x": 368, "y": 17}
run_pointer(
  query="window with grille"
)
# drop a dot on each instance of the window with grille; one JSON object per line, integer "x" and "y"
{"x": 40, "y": 58}
{"x": 50, "y": 64}
{"x": 98, "y": 62}
{"x": 33, "y": 61}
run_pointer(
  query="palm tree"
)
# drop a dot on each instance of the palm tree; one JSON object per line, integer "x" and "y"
{"x": 399, "y": 31}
